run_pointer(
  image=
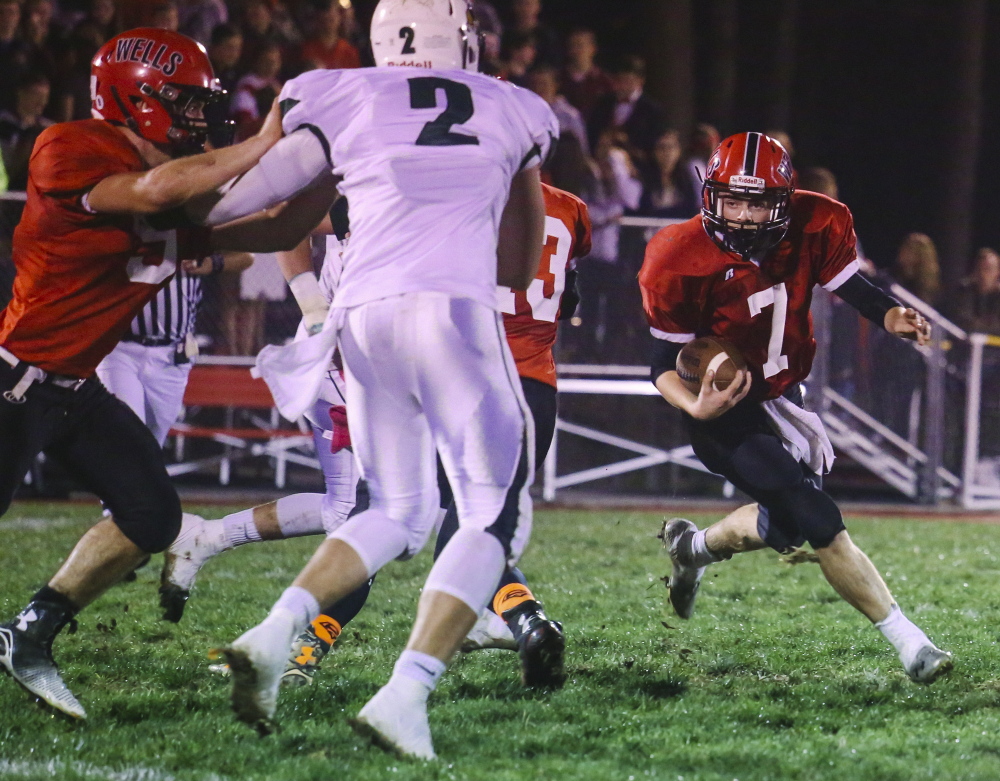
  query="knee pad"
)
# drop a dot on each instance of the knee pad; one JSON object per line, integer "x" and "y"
{"x": 153, "y": 526}
{"x": 815, "y": 513}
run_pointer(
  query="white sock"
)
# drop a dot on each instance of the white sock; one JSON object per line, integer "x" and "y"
{"x": 300, "y": 603}
{"x": 420, "y": 667}
{"x": 300, "y": 515}
{"x": 700, "y": 553}
{"x": 240, "y": 528}
{"x": 906, "y": 637}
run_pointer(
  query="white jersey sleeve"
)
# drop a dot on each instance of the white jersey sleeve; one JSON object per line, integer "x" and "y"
{"x": 539, "y": 125}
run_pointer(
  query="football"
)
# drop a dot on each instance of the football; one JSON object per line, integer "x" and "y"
{"x": 709, "y": 353}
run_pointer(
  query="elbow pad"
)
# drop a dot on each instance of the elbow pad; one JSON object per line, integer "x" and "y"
{"x": 287, "y": 168}
{"x": 871, "y": 302}
{"x": 663, "y": 358}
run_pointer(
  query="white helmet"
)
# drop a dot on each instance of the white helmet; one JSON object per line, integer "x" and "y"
{"x": 426, "y": 34}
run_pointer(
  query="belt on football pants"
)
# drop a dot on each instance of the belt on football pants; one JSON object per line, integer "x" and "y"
{"x": 33, "y": 374}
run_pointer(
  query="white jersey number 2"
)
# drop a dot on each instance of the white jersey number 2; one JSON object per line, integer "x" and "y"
{"x": 777, "y": 297}
{"x": 541, "y": 299}
{"x": 157, "y": 258}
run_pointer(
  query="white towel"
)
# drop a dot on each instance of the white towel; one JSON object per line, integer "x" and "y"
{"x": 294, "y": 372}
{"x": 802, "y": 433}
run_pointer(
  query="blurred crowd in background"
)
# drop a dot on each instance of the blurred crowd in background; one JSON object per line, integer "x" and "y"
{"x": 617, "y": 151}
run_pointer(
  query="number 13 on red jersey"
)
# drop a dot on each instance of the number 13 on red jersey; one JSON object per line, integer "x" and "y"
{"x": 541, "y": 300}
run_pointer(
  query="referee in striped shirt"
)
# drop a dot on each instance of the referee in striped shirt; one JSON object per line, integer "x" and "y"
{"x": 149, "y": 367}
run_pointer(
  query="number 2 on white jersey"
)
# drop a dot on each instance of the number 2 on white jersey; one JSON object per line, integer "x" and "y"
{"x": 541, "y": 299}
{"x": 777, "y": 297}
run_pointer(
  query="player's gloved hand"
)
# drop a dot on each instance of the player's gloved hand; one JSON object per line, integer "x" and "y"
{"x": 908, "y": 324}
{"x": 711, "y": 403}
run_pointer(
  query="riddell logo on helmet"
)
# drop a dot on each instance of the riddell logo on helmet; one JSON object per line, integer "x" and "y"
{"x": 148, "y": 53}
{"x": 411, "y": 64}
{"x": 747, "y": 183}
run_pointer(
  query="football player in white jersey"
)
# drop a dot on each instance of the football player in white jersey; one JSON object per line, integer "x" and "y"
{"x": 441, "y": 167}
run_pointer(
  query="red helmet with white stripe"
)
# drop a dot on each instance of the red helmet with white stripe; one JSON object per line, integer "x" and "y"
{"x": 161, "y": 86}
{"x": 753, "y": 167}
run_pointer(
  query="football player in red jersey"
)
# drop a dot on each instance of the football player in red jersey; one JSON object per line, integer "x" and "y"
{"x": 97, "y": 240}
{"x": 744, "y": 271}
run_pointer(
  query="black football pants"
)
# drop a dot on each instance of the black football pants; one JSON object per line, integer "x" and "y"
{"x": 101, "y": 443}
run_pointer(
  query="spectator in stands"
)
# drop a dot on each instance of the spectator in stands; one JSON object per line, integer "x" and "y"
{"x": 40, "y": 37}
{"x": 259, "y": 30}
{"x": 256, "y": 91}
{"x": 703, "y": 141}
{"x": 326, "y": 47}
{"x": 583, "y": 82}
{"x": 614, "y": 189}
{"x": 99, "y": 24}
{"x": 668, "y": 193}
{"x": 916, "y": 267}
{"x": 976, "y": 305}
{"x": 543, "y": 80}
{"x": 225, "y": 50}
{"x": 165, "y": 16}
{"x": 19, "y": 128}
{"x": 198, "y": 18}
{"x": 518, "y": 55}
{"x": 14, "y": 52}
{"x": 526, "y": 20}
{"x": 640, "y": 118}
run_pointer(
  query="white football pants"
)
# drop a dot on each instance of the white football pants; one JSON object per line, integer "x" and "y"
{"x": 148, "y": 380}
{"x": 427, "y": 372}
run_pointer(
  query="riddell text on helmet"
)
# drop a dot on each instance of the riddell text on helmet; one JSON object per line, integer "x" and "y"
{"x": 142, "y": 50}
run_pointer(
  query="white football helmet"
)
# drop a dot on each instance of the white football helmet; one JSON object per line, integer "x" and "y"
{"x": 426, "y": 34}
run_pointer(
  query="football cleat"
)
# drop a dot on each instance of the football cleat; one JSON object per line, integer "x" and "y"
{"x": 490, "y": 631}
{"x": 685, "y": 578}
{"x": 197, "y": 542}
{"x": 395, "y": 719}
{"x": 308, "y": 650}
{"x": 929, "y": 664}
{"x": 26, "y": 656}
{"x": 540, "y": 644}
{"x": 256, "y": 661}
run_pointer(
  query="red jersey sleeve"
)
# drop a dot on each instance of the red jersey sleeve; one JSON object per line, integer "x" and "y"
{"x": 671, "y": 299}
{"x": 581, "y": 247}
{"x": 68, "y": 162}
{"x": 835, "y": 257}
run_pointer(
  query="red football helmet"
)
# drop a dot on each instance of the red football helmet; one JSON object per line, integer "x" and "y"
{"x": 159, "y": 84}
{"x": 748, "y": 166}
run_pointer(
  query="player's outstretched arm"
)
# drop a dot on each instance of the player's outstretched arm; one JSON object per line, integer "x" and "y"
{"x": 709, "y": 403}
{"x": 522, "y": 231}
{"x": 283, "y": 227}
{"x": 908, "y": 324}
{"x": 176, "y": 182}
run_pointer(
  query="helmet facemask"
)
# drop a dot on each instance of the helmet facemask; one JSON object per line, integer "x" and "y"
{"x": 197, "y": 114}
{"x": 746, "y": 238}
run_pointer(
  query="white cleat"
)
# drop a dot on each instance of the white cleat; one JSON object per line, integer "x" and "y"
{"x": 929, "y": 664}
{"x": 489, "y": 631}
{"x": 256, "y": 661}
{"x": 395, "y": 719}
{"x": 198, "y": 541}
{"x": 685, "y": 577}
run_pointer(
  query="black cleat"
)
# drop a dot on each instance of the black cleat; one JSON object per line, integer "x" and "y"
{"x": 540, "y": 644}
{"x": 26, "y": 656}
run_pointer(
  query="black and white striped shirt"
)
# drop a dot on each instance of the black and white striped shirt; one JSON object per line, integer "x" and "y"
{"x": 170, "y": 316}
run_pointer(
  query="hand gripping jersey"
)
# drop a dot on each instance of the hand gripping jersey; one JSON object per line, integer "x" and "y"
{"x": 426, "y": 158}
{"x": 82, "y": 277}
{"x": 530, "y": 316}
{"x": 692, "y": 288}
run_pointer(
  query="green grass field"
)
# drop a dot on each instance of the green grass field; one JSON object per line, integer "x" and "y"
{"x": 774, "y": 677}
